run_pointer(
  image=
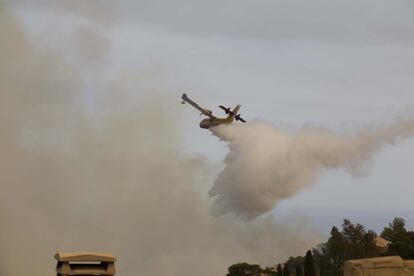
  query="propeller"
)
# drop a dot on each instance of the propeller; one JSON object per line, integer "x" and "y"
{"x": 238, "y": 118}
{"x": 227, "y": 110}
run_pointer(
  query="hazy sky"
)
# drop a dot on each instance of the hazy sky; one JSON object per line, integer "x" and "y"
{"x": 338, "y": 64}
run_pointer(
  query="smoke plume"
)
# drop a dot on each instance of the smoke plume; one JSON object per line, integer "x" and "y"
{"x": 106, "y": 174}
{"x": 266, "y": 165}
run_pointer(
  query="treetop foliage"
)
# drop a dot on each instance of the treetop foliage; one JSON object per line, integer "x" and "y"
{"x": 353, "y": 241}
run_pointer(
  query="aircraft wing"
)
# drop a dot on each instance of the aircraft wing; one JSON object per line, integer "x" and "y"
{"x": 238, "y": 118}
{"x": 202, "y": 110}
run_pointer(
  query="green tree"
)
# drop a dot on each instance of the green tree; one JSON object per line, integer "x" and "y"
{"x": 397, "y": 226}
{"x": 309, "y": 264}
{"x": 296, "y": 264}
{"x": 402, "y": 241}
{"x": 334, "y": 250}
{"x": 269, "y": 271}
{"x": 352, "y": 242}
{"x": 323, "y": 263}
{"x": 402, "y": 245}
{"x": 279, "y": 270}
{"x": 298, "y": 271}
{"x": 286, "y": 271}
{"x": 359, "y": 243}
{"x": 243, "y": 269}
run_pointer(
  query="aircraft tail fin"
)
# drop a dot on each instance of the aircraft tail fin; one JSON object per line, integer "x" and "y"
{"x": 233, "y": 113}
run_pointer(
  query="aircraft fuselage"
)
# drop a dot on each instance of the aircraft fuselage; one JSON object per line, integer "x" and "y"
{"x": 207, "y": 123}
{"x": 212, "y": 120}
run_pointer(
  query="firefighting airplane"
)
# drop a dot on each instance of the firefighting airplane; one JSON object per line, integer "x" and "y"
{"x": 212, "y": 120}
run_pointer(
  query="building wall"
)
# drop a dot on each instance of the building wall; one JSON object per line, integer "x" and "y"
{"x": 382, "y": 266}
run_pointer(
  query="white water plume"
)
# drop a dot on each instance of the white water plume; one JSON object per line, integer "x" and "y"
{"x": 266, "y": 165}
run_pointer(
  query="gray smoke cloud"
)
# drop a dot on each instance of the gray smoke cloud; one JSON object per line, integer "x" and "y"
{"x": 266, "y": 165}
{"x": 110, "y": 180}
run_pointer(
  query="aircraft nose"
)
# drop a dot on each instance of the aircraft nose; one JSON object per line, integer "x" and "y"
{"x": 204, "y": 124}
